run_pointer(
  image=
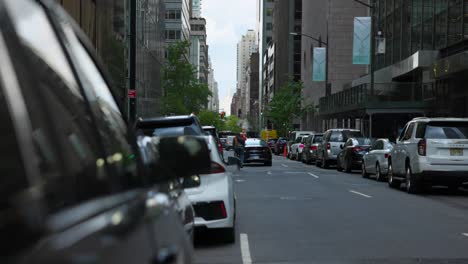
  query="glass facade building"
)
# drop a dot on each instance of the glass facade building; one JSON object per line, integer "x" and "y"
{"x": 106, "y": 23}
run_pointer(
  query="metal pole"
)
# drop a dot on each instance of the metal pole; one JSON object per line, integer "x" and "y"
{"x": 327, "y": 92}
{"x": 132, "y": 61}
{"x": 372, "y": 33}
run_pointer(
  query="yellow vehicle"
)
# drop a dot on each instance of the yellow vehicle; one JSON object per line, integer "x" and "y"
{"x": 268, "y": 134}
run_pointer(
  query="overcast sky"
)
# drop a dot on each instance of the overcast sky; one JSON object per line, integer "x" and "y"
{"x": 227, "y": 21}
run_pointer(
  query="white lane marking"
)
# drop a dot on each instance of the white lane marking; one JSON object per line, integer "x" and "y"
{"x": 358, "y": 193}
{"x": 269, "y": 172}
{"x": 465, "y": 234}
{"x": 240, "y": 180}
{"x": 313, "y": 175}
{"x": 284, "y": 165}
{"x": 245, "y": 250}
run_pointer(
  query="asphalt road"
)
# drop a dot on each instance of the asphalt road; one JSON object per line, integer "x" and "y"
{"x": 297, "y": 213}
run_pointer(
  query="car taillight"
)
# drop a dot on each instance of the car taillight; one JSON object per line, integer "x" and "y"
{"x": 422, "y": 147}
{"x": 220, "y": 147}
{"x": 216, "y": 168}
{"x": 328, "y": 145}
{"x": 301, "y": 145}
{"x": 313, "y": 147}
{"x": 357, "y": 149}
{"x": 223, "y": 210}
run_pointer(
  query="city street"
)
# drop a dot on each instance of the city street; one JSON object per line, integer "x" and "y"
{"x": 297, "y": 213}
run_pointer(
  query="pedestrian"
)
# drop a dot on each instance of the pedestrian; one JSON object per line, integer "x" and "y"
{"x": 239, "y": 144}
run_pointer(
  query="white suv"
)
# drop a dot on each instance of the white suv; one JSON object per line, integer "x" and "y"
{"x": 430, "y": 151}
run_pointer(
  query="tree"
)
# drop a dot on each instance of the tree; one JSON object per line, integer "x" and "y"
{"x": 232, "y": 123}
{"x": 287, "y": 105}
{"x": 183, "y": 93}
{"x": 210, "y": 118}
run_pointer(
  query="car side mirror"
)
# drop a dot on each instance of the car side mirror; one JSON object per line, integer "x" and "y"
{"x": 182, "y": 156}
{"x": 341, "y": 146}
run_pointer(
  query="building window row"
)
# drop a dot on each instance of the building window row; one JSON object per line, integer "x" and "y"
{"x": 173, "y": 14}
{"x": 173, "y": 34}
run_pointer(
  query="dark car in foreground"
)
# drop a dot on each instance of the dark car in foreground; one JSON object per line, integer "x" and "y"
{"x": 74, "y": 188}
{"x": 161, "y": 126}
{"x": 213, "y": 131}
{"x": 352, "y": 153}
{"x": 257, "y": 151}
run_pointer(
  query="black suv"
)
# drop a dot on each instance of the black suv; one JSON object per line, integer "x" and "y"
{"x": 73, "y": 185}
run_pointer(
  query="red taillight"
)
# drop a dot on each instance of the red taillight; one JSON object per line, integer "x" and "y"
{"x": 357, "y": 149}
{"x": 220, "y": 147}
{"x": 223, "y": 210}
{"x": 313, "y": 147}
{"x": 216, "y": 168}
{"x": 422, "y": 147}
{"x": 328, "y": 145}
{"x": 301, "y": 145}
{"x": 387, "y": 155}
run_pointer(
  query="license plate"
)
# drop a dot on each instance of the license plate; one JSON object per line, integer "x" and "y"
{"x": 456, "y": 152}
{"x": 254, "y": 156}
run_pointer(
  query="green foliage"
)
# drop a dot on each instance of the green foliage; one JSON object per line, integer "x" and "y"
{"x": 286, "y": 105}
{"x": 210, "y": 118}
{"x": 183, "y": 93}
{"x": 232, "y": 123}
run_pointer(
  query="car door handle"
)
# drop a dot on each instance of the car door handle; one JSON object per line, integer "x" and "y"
{"x": 165, "y": 256}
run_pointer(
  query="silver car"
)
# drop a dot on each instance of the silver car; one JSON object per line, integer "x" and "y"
{"x": 333, "y": 141}
{"x": 375, "y": 162}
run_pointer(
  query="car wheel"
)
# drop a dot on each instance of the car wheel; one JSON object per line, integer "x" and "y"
{"x": 392, "y": 183}
{"x": 364, "y": 173}
{"x": 378, "y": 173}
{"x": 347, "y": 166}
{"x": 324, "y": 163}
{"x": 338, "y": 165}
{"x": 412, "y": 185}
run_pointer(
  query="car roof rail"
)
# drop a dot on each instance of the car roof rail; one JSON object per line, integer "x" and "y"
{"x": 420, "y": 117}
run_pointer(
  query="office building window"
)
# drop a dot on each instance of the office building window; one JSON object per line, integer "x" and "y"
{"x": 269, "y": 12}
{"x": 172, "y": 34}
{"x": 269, "y": 26}
{"x": 427, "y": 33}
{"x": 416, "y": 26}
{"x": 173, "y": 14}
{"x": 455, "y": 12}
{"x": 441, "y": 23}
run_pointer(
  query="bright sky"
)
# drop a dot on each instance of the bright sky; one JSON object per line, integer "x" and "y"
{"x": 226, "y": 22}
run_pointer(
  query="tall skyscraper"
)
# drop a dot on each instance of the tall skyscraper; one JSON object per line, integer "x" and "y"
{"x": 177, "y": 20}
{"x": 245, "y": 47}
{"x": 196, "y": 8}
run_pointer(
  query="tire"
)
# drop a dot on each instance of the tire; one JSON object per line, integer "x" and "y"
{"x": 347, "y": 167}
{"x": 317, "y": 163}
{"x": 229, "y": 235}
{"x": 378, "y": 173}
{"x": 364, "y": 173}
{"x": 392, "y": 183}
{"x": 338, "y": 165}
{"x": 413, "y": 185}
{"x": 324, "y": 163}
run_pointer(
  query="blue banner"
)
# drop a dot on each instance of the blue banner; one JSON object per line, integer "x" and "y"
{"x": 319, "y": 66}
{"x": 362, "y": 41}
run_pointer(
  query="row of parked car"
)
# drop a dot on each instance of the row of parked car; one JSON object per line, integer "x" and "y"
{"x": 428, "y": 151}
{"x": 79, "y": 184}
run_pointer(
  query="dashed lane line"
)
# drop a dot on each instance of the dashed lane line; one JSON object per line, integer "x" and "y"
{"x": 361, "y": 194}
{"x": 245, "y": 250}
{"x": 465, "y": 234}
{"x": 313, "y": 175}
{"x": 284, "y": 165}
{"x": 269, "y": 172}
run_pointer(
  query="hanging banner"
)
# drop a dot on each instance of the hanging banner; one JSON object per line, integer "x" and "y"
{"x": 319, "y": 66}
{"x": 361, "y": 40}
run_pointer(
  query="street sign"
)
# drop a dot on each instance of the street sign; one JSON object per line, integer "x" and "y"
{"x": 131, "y": 93}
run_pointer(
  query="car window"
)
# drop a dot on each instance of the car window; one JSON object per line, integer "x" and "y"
{"x": 298, "y": 140}
{"x": 446, "y": 130}
{"x": 402, "y": 133}
{"x": 380, "y": 145}
{"x": 60, "y": 117}
{"x": 420, "y": 130}
{"x": 336, "y": 136}
{"x": 409, "y": 131}
{"x": 318, "y": 139}
{"x": 351, "y": 134}
{"x": 110, "y": 124}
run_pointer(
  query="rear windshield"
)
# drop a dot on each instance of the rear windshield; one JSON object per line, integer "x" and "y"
{"x": 445, "y": 130}
{"x": 343, "y": 136}
{"x": 256, "y": 143}
{"x": 318, "y": 139}
{"x": 364, "y": 141}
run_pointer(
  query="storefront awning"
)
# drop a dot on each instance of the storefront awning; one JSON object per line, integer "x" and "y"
{"x": 422, "y": 58}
